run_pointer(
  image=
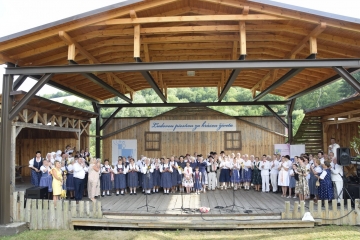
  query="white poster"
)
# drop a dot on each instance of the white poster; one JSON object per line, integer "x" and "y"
{"x": 193, "y": 125}
{"x": 282, "y": 149}
{"x": 123, "y": 147}
{"x": 296, "y": 150}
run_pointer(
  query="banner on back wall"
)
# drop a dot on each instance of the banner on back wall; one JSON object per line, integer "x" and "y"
{"x": 282, "y": 149}
{"x": 296, "y": 150}
{"x": 193, "y": 125}
{"x": 125, "y": 148}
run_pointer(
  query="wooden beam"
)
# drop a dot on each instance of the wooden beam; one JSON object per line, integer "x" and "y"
{"x": 5, "y": 59}
{"x": 133, "y": 14}
{"x": 234, "y": 51}
{"x": 343, "y": 114}
{"x": 313, "y": 45}
{"x": 137, "y": 41}
{"x": 242, "y": 40}
{"x": 348, "y": 120}
{"x": 46, "y": 127}
{"x": 246, "y": 10}
{"x": 146, "y": 53}
{"x": 71, "y": 52}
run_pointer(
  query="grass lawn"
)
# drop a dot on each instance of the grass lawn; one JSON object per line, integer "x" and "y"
{"x": 324, "y": 232}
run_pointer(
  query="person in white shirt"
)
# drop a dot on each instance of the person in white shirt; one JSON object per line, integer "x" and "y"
{"x": 35, "y": 165}
{"x": 264, "y": 167}
{"x": 333, "y": 147}
{"x": 79, "y": 176}
{"x": 321, "y": 157}
{"x": 337, "y": 172}
{"x": 148, "y": 181}
{"x": 274, "y": 171}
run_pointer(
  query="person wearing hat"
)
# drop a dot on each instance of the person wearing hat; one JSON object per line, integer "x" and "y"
{"x": 212, "y": 169}
{"x": 35, "y": 165}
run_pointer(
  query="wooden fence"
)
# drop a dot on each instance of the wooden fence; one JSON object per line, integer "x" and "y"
{"x": 330, "y": 214}
{"x": 42, "y": 214}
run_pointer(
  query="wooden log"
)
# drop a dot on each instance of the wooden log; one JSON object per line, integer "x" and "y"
{"x": 302, "y": 209}
{"x": 326, "y": 204}
{"x": 287, "y": 210}
{"x": 28, "y": 210}
{"x": 39, "y": 214}
{"x": 87, "y": 209}
{"x": 93, "y": 212}
{"x": 311, "y": 208}
{"x": 98, "y": 209}
{"x": 73, "y": 210}
{"x": 45, "y": 224}
{"x": 335, "y": 214}
{"x": 296, "y": 210}
{"x": 21, "y": 206}
{"x": 342, "y": 212}
{"x": 59, "y": 215}
{"x": 319, "y": 211}
{"x": 357, "y": 207}
{"x": 52, "y": 215}
{"x": 81, "y": 209}
{"x": 33, "y": 216}
{"x": 14, "y": 207}
{"x": 66, "y": 215}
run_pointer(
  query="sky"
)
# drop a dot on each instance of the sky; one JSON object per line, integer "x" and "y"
{"x": 19, "y": 15}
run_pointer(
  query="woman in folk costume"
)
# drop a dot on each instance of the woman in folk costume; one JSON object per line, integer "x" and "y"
{"x": 106, "y": 171}
{"x": 283, "y": 178}
{"x": 240, "y": 162}
{"x": 315, "y": 171}
{"x": 70, "y": 178}
{"x": 174, "y": 174}
{"x": 326, "y": 191}
{"x": 292, "y": 180}
{"x": 181, "y": 166}
{"x": 166, "y": 179}
{"x": 35, "y": 165}
{"x": 188, "y": 177}
{"x": 57, "y": 181}
{"x": 148, "y": 181}
{"x": 120, "y": 171}
{"x": 202, "y": 168}
{"x": 256, "y": 174}
{"x": 235, "y": 177}
{"x": 225, "y": 166}
{"x": 247, "y": 171}
{"x": 133, "y": 182}
{"x": 197, "y": 180}
{"x": 212, "y": 170}
{"x": 156, "y": 175}
{"x": 93, "y": 179}
{"x": 302, "y": 187}
{"x": 46, "y": 178}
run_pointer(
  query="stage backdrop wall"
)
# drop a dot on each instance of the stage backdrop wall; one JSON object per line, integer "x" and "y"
{"x": 255, "y": 140}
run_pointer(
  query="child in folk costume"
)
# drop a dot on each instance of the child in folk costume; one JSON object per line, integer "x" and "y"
{"x": 326, "y": 191}
{"x": 35, "y": 165}
{"x": 70, "y": 178}
{"x": 235, "y": 178}
{"x": 133, "y": 170}
{"x": 225, "y": 166}
{"x": 174, "y": 174}
{"x": 212, "y": 170}
{"x": 202, "y": 168}
{"x": 148, "y": 181}
{"x": 106, "y": 171}
{"x": 292, "y": 180}
{"x": 156, "y": 175}
{"x": 46, "y": 178}
{"x": 166, "y": 179}
{"x": 181, "y": 166}
{"x": 197, "y": 180}
{"x": 247, "y": 171}
{"x": 187, "y": 181}
{"x": 120, "y": 171}
{"x": 256, "y": 174}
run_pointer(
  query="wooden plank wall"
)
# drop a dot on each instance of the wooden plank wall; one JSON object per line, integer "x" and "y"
{"x": 31, "y": 140}
{"x": 254, "y": 140}
{"x": 343, "y": 133}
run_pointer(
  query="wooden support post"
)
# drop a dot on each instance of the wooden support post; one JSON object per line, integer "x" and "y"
{"x": 313, "y": 45}
{"x": 234, "y": 52}
{"x": 242, "y": 38}
{"x": 71, "y": 52}
{"x": 137, "y": 41}
{"x": 146, "y": 52}
{"x": 12, "y": 163}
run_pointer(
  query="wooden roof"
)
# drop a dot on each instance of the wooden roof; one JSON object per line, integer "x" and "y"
{"x": 47, "y": 106}
{"x": 347, "y": 108}
{"x": 187, "y": 30}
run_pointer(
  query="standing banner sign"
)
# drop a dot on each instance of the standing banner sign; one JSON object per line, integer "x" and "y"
{"x": 282, "y": 149}
{"x": 125, "y": 148}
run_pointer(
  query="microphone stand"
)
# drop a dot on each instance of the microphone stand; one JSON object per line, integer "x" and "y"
{"x": 146, "y": 195}
{"x": 182, "y": 209}
{"x": 343, "y": 188}
{"x": 233, "y": 205}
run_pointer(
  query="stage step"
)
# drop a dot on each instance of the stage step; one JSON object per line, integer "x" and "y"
{"x": 202, "y": 222}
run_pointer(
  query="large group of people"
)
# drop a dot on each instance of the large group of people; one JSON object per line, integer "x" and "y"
{"x": 304, "y": 177}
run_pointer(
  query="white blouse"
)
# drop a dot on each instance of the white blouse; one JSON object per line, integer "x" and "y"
{"x": 119, "y": 166}
{"x": 166, "y": 166}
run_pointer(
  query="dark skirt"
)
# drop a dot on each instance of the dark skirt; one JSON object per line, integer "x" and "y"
{"x": 325, "y": 190}
{"x": 148, "y": 181}
{"x": 105, "y": 181}
{"x": 312, "y": 184}
{"x": 140, "y": 178}
{"x": 133, "y": 179}
{"x": 256, "y": 174}
{"x": 166, "y": 180}
{"x": 174, "y": 178}
{"x": 180, "y": 177}
{"x": 70, "y": 182}
{"x": 235, "y": 178}
{"x": 246, "y": 177}
{"x": 157, "y": 177}
{"x": 35, "y": 178}
{"x": 120, "y": 181}
{"x": 292, "y": 182}
{"x": 46, "y": 181}
{"x": 224, "y": 175}
{"x": 197, "y": 184}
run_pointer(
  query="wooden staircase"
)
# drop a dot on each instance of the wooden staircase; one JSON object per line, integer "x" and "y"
{"x": 310, "y": 134}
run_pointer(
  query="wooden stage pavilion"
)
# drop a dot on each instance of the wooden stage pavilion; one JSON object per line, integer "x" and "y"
{"x": 114, "y": 51}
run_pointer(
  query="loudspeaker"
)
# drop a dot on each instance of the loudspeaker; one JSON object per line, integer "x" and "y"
{"x": 37, "y": 193}
{"x": 343, "y": 156}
